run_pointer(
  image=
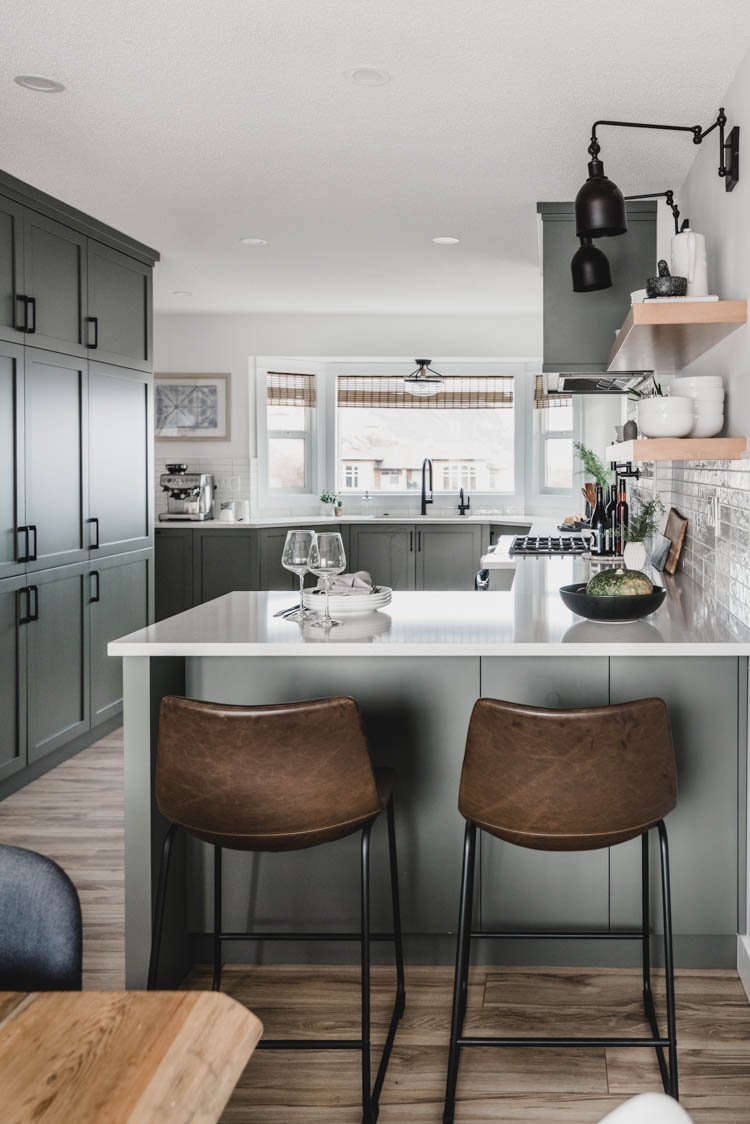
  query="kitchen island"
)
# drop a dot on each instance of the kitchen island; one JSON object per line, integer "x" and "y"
{"x": 417, "y": 670}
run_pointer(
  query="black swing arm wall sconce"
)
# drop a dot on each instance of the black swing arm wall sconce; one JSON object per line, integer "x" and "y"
{"x": 600, "y": 205}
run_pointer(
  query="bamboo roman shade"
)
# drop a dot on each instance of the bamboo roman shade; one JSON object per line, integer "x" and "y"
{"x": 480, "y": 392}
{"x": 543, "y": 401}
{"x": 290, "y": 390}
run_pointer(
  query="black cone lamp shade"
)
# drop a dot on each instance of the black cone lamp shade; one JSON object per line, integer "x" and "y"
{"x": 600, "y": 206}
{"x": 590, "y": 269}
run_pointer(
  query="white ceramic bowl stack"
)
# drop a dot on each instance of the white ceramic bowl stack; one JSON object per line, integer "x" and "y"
{"x": 666, "y": 417}
{"x": 707, "y": 393}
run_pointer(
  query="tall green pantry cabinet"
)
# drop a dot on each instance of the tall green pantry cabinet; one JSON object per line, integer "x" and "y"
{"x": 76, "y": 463}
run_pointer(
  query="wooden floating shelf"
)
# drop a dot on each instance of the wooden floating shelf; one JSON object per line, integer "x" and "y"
{"x": 668, "y": 335}
{"x": 678, "y": 449}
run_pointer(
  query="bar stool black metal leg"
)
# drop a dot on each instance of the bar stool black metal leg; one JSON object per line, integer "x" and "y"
{"x": 368, "y": 1117}
{"x": 462, "y": 967}
{"x": 216, "y": 985}
{"x": 668, "y": 959}
{"x": 648, "y": 995}
{"x": 397, "y": 935}
{"x": 161, "y": 898}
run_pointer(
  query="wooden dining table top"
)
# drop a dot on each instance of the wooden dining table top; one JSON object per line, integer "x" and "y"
{"x": 121, "y": 1056}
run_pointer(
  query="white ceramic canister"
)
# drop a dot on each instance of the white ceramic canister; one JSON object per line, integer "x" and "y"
{"x": 689, "y": 260}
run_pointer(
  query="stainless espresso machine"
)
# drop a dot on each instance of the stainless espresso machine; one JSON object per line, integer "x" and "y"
{"x": 191, "y": 494}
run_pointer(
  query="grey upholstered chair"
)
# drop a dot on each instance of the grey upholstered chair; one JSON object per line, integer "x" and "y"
{"x": 40, "y": 924}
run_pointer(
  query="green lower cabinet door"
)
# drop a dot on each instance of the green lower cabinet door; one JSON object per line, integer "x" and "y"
{"x": 385, "y": 551}
{"x": 57, "y": 658}
{"x": 704, "y": 697}
{"x": 173, "y": 567}
{"x": 272, "y": 573}
{"x": 448, "y": 556}
{"x": 12, "y": 677}
{"x": 118, "y": 604}
{"x": 223, "y": 562}
{"x": 542, "y": 889}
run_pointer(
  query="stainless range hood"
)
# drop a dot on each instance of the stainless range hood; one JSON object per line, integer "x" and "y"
{"x": 589, "y": 382}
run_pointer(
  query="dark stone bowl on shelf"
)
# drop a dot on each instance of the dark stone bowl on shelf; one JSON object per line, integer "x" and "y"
{"x": 611, "y": 610}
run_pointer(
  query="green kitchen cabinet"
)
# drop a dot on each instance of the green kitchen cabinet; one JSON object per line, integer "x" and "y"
{"x": 704, "y": 696}
{"x": 173, "y": 571}
{"x": 118, "y": 313}
{"x": 11, "y": 271}
{"x": 12, "y": 494}
{"x": 224, "y": 561}
{"x": 57, "y": 659}
{"x": 120, "y": 460}
{"x": 272, "y": 574}
{"x": 119, "y": 596}
{"x": 54, "y": 257}
{"x": 12, "y": 678}
{"x": 447, "y": 555}
{"x": 386, "y": 551}
{"x": 56, "y": 458}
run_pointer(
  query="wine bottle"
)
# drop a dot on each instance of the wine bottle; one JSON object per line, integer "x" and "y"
{"x": 599, "y": 523}
{"x": 611, "y": 513}
{"x": 622, "y": 517}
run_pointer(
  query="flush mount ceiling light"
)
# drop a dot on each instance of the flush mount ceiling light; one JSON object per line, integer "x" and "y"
{"x": 424, "y": 382}
{"x": 39, "y": 83}
{"x": 368, "y": 76}
{"x": 253, "y": 241}
{"x": 600, "y": 205}
{"x": 446, "y": 240}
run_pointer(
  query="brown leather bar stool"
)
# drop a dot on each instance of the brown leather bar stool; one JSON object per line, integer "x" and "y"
{"x": 567, "y": 780}
{"x": 279, "y": 778}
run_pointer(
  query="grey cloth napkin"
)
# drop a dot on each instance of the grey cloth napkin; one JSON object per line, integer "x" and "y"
{"x": 357, "y": 584}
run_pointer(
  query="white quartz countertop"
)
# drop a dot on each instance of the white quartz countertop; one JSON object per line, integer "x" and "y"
{"x": 348, "y": 517}
{"x": 527, "y": 620}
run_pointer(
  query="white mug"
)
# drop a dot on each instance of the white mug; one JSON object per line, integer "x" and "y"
{"x": 689, "y": 260}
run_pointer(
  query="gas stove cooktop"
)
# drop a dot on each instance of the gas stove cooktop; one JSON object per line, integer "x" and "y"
{"x": 548, "y": 544}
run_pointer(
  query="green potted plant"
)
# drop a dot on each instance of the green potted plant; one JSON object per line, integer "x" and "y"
{"x": 642, "y": 526}
{"x": 331, "y": 501}
{"x": 592, "y": 466}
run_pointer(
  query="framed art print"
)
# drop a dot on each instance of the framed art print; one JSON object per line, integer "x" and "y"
{"x": 192, "y": 407}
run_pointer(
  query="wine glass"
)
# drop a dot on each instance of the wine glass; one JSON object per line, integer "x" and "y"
{"x": 294, "y": 557}
{"x": 327, "y": 559}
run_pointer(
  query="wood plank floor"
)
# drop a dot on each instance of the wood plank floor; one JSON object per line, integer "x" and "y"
{"x": 75, "y": 815}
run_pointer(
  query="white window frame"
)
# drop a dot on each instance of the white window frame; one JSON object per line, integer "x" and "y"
{"x": 539, "y": 493}
{"x": 322, "y": 472}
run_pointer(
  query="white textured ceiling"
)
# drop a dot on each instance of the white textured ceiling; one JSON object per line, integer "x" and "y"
{"x": 189, "y": 123}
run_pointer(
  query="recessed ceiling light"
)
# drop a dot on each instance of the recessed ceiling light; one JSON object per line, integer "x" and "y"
{"x": 368, "y": 76}
{"x": 38, "y": 83}
{"x": 182, "y": 292}
{"x": 446, "y": 240}
{"x": 253, "y": 241}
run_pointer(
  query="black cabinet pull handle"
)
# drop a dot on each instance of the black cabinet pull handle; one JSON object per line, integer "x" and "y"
{"x": 419, "y": 540}
{"x": 95, "y": 545}
{"x": 34, "y": 613}
{"x": 411, "y": 541}
{"x": 25, "y": 556}
{"x": 25, "y": 319}
{"x": 32, "y": 554}
{"x": 95, "y": 321}
{"x": 30, "y": 304}
{"x": 95, "y": 596}
{"x": 22, "y": 605}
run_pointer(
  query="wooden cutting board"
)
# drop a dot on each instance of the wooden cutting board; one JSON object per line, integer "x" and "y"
{"x": 675, "y": 532}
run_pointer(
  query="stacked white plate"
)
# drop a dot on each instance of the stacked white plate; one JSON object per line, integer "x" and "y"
{"x": 348, "y": 604}
{"x": 707, "y": 392}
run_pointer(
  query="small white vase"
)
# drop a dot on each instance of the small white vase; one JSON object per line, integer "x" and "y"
{"x": 634, "y": 555}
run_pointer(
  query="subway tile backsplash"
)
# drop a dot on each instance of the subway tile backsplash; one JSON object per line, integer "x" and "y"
{"x": 714, "y": 496}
